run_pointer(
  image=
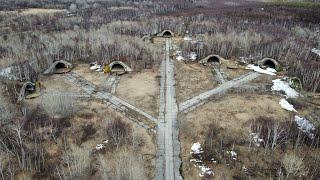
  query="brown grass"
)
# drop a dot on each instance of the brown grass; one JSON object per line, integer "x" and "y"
{"x": 140, "y": 89}
{"x": 192, "y": 79}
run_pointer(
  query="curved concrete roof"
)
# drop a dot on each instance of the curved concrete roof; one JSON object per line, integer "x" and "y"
{"x": 264, "y": 60}
{"x": 205, "y": 60}
{"x": 164, "y": 31}
{"x": 124, "y": 65}
{"x": 34, "y": 93}
{"x": 52, "y": 69}
{"x": 146, "y": 38}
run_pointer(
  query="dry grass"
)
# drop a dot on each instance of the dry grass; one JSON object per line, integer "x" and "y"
{"x": 35, "y": 11}
{"x": 192, "y": 79}
{"x": 97, "y": 78}
{"x": 232, "y": 113}
{"x": 140, "y": 89}
{"x": 58, "y": 83}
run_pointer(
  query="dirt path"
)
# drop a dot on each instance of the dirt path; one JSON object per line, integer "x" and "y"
{"x": 202, "y": 98}
{"x": 168, "y": 161}
{"x": 133, "y": 113}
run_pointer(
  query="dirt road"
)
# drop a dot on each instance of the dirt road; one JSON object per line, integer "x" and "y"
{"x": 168, "y": 161}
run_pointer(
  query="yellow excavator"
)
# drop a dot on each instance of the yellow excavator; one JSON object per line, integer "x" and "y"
{"x": 106, "y": 69}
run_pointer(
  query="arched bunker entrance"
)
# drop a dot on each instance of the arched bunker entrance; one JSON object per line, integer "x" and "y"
{"x": 59, "y": 67}
{"x": 268, "y": 63}
{"x": 211, "y": 60}
{"x": 29, "y": 90}
{"x": 167, "y": 34}
{"x": 118, "y": 67}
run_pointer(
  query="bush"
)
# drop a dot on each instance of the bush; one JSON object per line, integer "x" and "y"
{"x": 58, "y": 105}
{"x": 88, "y": 132}
{"x": 293, "y": 165}
{"x": 118, "y": 132}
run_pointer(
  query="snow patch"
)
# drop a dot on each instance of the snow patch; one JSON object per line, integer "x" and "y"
{"x": 178, "y": 53}
{"x": 286, "y": 105}
{"x": 196, "y": 151}
{"x": 99, "y": 146}
{"x": 305, "y": 126}
{"x": 233, "y": 154}
{"x": 180, "y": 58}
{"x": 255, "y": 138}
{"x": 258, "y": 69}
{"x": 271, "y": 70}
{"x": 187, "y": 38}
{"x": 279, "y": 85}
{"x": 196, "y": 148}
{"x": 316, "y": 51}
{"x": 193, "y": 56}
{"x": 8, "y": 73}
{"x": 205, "y": 171}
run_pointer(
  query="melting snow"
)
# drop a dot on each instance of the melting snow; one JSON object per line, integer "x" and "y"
{"x": 7, "y": 72}
{"x": 196, "y": 148}
{"x": 286, "y": 105}
{"x": 178, "y": 53}
{"x": 193, "y": 56}
{"x": 205, "y": 171}
{"x": 233, "y": 154}
{"x": 187, "y": 38}
{"x": 196, "y": 151}
{"x": 180, "y": 58}
{"x": 279, "y": 85}
{"x": 268, "y": 71}
{"x": 256, "y": 139}
{"x": 305, "y": 126}
{"x": 316, "y": 51}
{"x": 99, "y": 146}
{"x": 271, "y": 70}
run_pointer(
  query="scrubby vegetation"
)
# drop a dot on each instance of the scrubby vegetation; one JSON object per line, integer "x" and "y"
{"x": 55, "y": 137}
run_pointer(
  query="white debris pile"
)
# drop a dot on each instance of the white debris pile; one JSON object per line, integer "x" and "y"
{"x": 196, "y": 152}
{"x": 286, "y": 105}
{"x": 316, "y": 51}
{"x": 193, "y": 56}
{"x": 258, "y": 69}
{"x": 280, "y": 85}
{"x": 96, "y": 67}
{"x": 255, "y": 138}
{"x": 233, "y": 154}
{"x": 305, "y": 126}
